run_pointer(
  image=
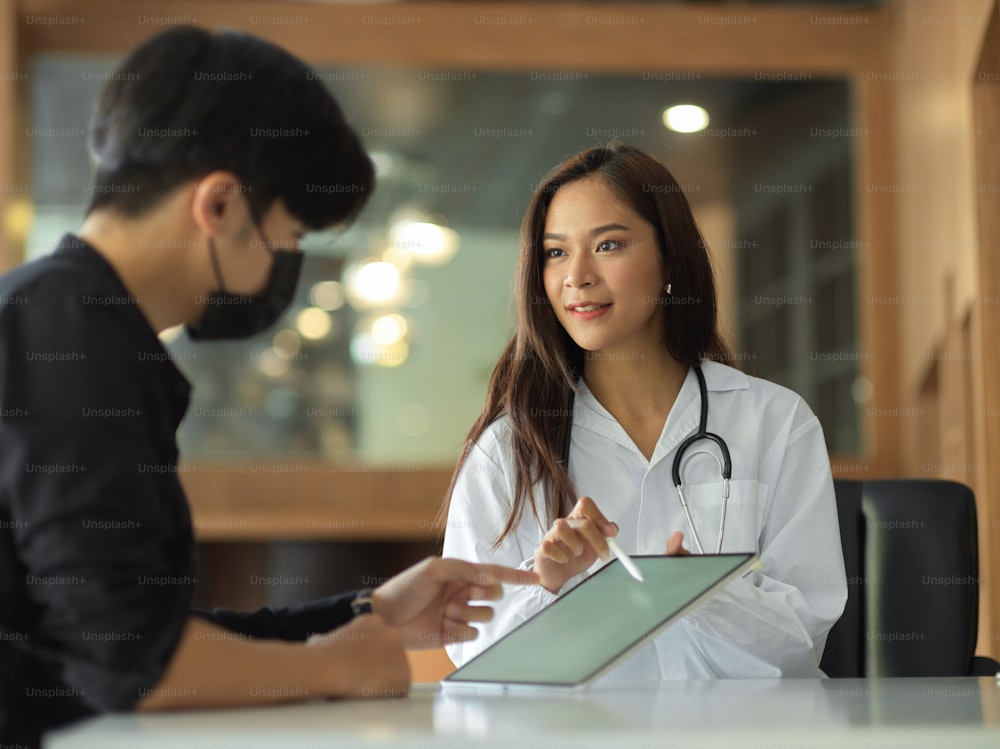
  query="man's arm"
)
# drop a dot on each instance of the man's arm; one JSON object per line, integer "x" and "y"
{"x": 430, "y": 603}
{"x": 426, "y": 605}
{"x": 213, "y": 667}
{"x": 292, "y": 623}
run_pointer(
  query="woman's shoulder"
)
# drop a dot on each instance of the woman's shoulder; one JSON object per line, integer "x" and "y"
{"x": 496, "y": 442}
{"x": 763, "y": 396}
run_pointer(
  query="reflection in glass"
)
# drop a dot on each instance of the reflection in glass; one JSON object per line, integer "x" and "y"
{"x": 385, "y": 355}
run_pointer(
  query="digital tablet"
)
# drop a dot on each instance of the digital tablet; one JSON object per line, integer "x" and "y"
{"x": 599, "y": 622}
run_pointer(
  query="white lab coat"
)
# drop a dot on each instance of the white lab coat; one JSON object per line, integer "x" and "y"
{"x": 771, "y": 623}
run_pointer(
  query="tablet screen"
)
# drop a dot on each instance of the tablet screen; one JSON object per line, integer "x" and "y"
{"x": 598, "y": 621}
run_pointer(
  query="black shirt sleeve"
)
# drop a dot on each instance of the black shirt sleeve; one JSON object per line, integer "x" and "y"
{"x": 96, "y": 545}
{"x": 291, "y": 623}
{"x": 102, "y": 547}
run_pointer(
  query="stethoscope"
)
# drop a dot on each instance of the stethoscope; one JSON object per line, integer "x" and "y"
{"x": 725, "y": 464}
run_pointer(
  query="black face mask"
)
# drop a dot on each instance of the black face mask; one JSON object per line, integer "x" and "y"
{"x": 240, "y": 316}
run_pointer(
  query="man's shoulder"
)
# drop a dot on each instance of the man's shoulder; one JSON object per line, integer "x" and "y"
{"x": 50, "y": 272}
{"x": 58, "y": 297}
{"x": 67, "y": 340}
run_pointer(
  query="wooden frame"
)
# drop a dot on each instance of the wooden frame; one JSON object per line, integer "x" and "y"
{"x": 986, "y": 114}
{"x": 764, "y": 42}
{"x": 10, "y": 250}
{"x": 877, "y": 274}
{"x": 474, "y": 35}
{"x": 303, "y": 500}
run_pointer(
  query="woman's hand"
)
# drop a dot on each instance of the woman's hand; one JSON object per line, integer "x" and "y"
{"x": 675, "y": 545}
{"x": 573, "y": 544}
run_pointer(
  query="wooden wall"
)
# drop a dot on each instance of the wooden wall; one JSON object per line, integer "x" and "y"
{"x": 946, "y": 208}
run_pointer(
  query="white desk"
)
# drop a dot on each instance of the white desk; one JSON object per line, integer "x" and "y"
{"x": 762, "y": 714}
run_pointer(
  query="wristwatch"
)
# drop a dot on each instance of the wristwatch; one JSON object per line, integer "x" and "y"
{"x": 362, "y": 602}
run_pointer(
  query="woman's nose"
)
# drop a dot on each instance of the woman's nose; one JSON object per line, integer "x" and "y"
{"x": 580, "y": 272}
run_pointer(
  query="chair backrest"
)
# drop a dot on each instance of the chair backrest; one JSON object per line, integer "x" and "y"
{"x": 912, "y": 559}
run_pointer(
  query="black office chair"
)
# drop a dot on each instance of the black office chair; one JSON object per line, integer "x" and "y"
{"x": 912, "y": 559}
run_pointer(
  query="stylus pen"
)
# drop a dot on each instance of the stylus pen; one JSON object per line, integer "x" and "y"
{"x": 625, "y": 559}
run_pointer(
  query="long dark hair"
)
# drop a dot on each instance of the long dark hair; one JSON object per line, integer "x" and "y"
{"x": 534, "y": 381}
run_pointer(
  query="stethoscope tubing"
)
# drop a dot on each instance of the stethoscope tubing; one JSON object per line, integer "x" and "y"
{"x": 725, "y": 465}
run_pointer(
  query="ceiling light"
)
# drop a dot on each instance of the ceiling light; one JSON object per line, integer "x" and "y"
{"x": 389, "y": 329}
{"x": 685, "y": 118}
{"x": 328, "y": 295}
{"x": 313, "y": 323}
{"x": 427, "y": 243}
{"x": 373, "y": 283}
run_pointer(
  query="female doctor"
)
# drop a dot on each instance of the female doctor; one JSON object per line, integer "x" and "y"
{"x": 616, "y": 326}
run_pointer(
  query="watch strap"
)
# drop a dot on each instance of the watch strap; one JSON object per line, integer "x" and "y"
{"x": 362, "y": 603}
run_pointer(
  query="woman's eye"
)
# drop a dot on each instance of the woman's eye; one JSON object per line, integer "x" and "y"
{"x": 609, "y": 244}
{"x": 552, "y": 252}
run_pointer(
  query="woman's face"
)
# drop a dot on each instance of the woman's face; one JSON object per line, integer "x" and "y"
{"x": 602, "y": 271}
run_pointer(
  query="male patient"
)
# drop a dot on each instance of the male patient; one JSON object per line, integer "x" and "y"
{"x": 216, "y": 153}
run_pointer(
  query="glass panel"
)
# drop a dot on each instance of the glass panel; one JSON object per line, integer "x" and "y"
{"x": 402, "y": 381}
{"x": 796, "y": 281}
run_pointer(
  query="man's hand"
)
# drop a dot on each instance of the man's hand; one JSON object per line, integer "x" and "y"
{"x": 364, "y": 658}
{"x": 430, "y": 602}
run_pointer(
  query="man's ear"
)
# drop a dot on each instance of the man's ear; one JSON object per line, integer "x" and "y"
{"x": 218, "y": 206}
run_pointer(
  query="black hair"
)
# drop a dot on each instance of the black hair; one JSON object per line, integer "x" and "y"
{"x": 189, "y": 102}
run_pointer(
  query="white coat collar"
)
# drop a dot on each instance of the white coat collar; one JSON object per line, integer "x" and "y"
{"x": 682, "y": 420}
{"x": 719, "y": 377}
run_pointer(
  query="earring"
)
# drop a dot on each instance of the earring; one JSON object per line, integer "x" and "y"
{"x": 668, "y": 289}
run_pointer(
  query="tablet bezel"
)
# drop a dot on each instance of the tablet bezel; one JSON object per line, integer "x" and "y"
{"x": 750, "y": 562}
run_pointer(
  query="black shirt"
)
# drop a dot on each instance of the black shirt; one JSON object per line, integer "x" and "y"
{"x": 96, "y": 546}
